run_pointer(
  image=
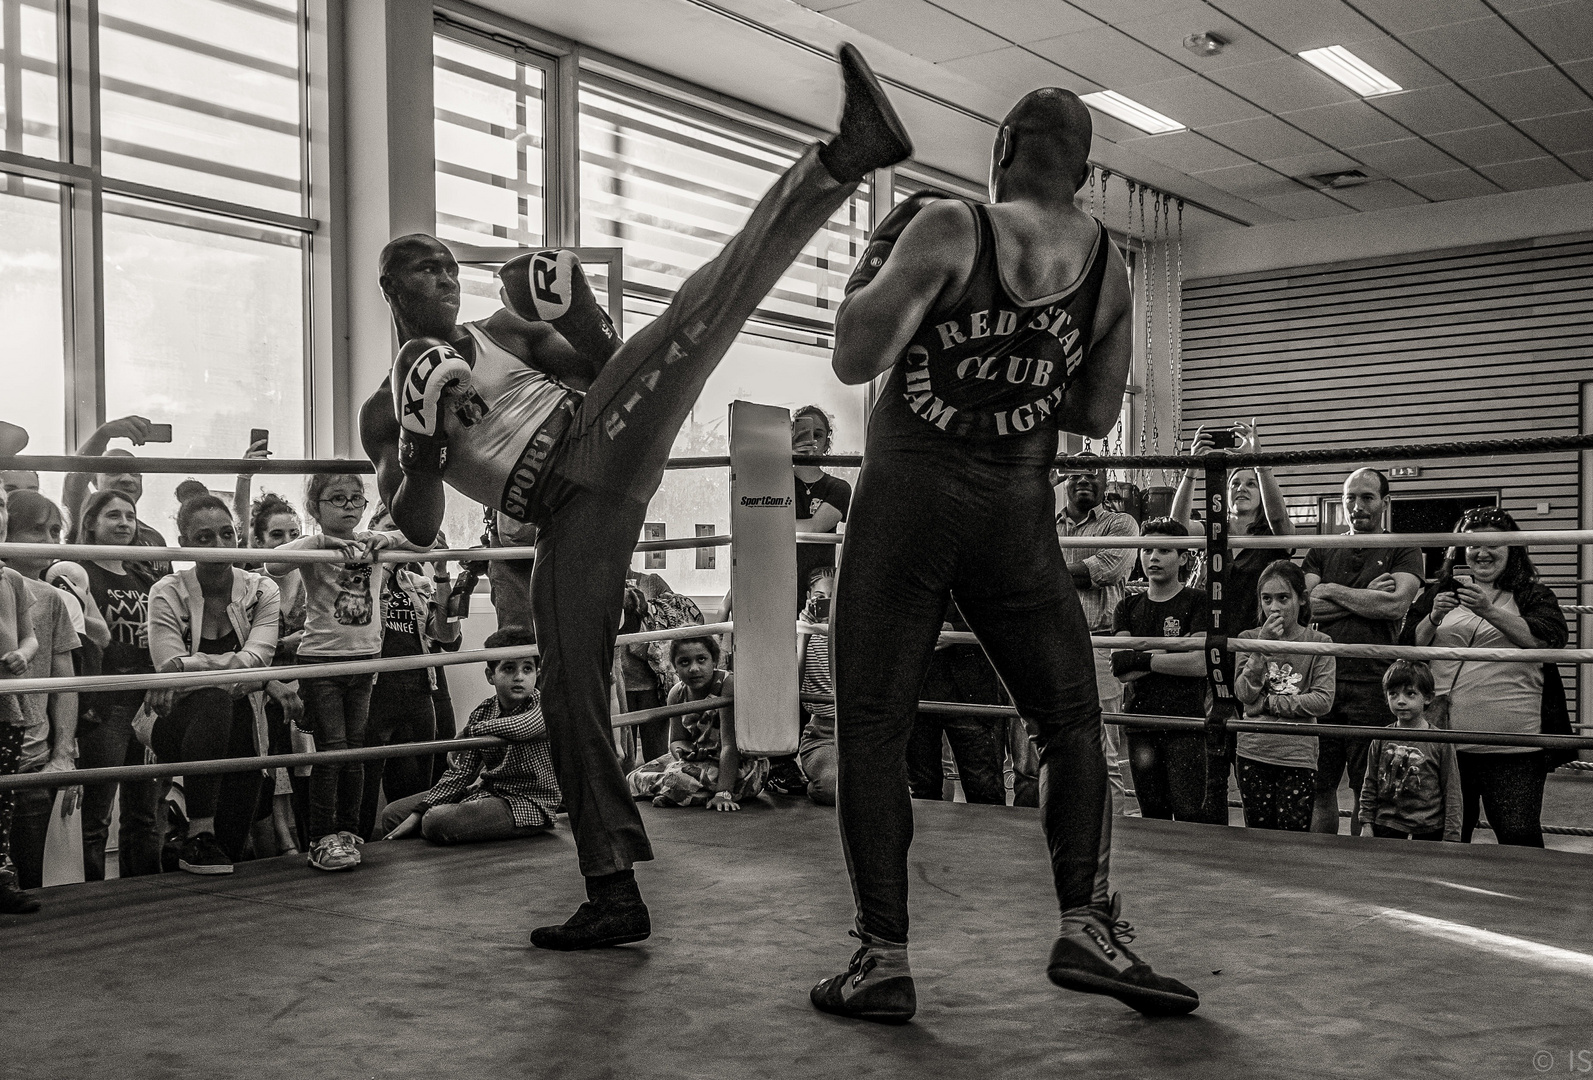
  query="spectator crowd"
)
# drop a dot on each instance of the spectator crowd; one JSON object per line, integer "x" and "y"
{"x": 94, "y": 615}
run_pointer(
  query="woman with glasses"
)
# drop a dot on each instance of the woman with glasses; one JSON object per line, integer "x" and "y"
{"x": 213, "y": 616}
{"x": 342, "y": 622}
{"x": 1495, "y": 601}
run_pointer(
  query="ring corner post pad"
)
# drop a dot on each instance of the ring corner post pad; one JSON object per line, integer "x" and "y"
{"x": 762, "y": 573}
{"x": 1219, "y": 661}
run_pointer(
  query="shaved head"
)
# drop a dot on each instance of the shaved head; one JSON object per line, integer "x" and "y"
{"x": 404, "y": 248}
{"x": 1046, "y": 137}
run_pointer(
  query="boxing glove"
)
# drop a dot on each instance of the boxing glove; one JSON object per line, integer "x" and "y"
{"x": 551, "y": 287}
{"x": 885, "y": 235}
{"x": 428, "y": 377}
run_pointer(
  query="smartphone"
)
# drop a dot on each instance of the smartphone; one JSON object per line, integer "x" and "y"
{"x": 1223, "y": 439}
{"x": 259, "y": 435}
{"x": 159, "y": 433}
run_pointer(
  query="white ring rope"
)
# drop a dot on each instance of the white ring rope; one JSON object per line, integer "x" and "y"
{"x": 1315, "y": 648}
{"x": 229, "y": 676}
{"x": 129, "y": 553}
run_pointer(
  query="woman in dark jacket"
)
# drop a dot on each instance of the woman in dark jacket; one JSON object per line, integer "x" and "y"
{"x": 1496, "y": 602}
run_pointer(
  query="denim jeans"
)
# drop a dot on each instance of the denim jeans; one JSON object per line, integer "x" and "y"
{"x": 336, "y": 709}
{"x": 940, "y": 519}
{"x": 592, "y": 499}
{"x": 401, "y": 711}
{"x": 105, "y": 739}
{"x": 461, "y": 823}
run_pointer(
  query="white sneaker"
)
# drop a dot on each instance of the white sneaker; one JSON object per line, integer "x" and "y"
{"x": 332, "y": 852}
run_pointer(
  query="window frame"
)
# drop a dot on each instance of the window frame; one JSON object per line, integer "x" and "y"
{"x": 78, "y": 170}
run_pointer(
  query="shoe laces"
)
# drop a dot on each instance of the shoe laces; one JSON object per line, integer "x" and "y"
{"x": 861, "y": 963}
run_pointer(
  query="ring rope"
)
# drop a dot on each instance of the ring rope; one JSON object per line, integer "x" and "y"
{"x": 230, "y": 676}
{"x": 88, "y": 463}
{"x": 1348, "y": 455}
{"x": 1192, "y": 644}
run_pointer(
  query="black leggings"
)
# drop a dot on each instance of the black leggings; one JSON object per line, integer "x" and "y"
{"x": 926, "y": 524}
{"x": 592, "y": 499}
{"x": 1510, "y": 788}
{"x": 205, "y": 725}
{"x": 1276, "y": 796}
{"x": 1175, "y": 779}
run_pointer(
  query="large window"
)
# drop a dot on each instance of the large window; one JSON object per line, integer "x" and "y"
{"x": 196, "y": 199}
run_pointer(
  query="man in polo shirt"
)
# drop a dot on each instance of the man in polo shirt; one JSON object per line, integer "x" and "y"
{"x": 1358, "y": 597}
{"x": 1098, "y": 575}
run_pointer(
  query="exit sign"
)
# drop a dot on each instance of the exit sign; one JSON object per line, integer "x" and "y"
{"x": 1404, "y": 472}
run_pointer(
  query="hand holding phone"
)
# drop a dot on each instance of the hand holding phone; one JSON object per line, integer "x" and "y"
{"x": 159, "y": 433}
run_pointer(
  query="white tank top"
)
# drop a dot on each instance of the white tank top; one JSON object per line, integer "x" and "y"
{"x": 496, "y": 461}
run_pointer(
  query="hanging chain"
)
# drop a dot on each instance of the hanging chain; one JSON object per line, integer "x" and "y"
{"x": 1148, "y": 259}
{"x": 1093, "y": 214}
{"x": 1178, "y": 338}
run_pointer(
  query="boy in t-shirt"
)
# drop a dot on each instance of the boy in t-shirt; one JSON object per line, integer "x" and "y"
{"x": 1174, "y": 777}
{"x": 1412, "y": 790}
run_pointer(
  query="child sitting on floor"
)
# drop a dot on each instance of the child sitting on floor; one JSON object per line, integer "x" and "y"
{"x": 1412, "y": 790}
{"x": 703, "y": 766}
{"x": 495, "y": 794}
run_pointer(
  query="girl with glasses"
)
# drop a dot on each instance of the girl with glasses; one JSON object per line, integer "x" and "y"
{"x": 342, "y": 622}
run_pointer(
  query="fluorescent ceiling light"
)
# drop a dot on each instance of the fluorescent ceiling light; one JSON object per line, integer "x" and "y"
{"x": 1131, "y": 112}
{"x": 1339, "y": 63}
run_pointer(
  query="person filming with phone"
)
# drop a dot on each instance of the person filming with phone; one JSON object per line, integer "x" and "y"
{"x": 76, "y": 489}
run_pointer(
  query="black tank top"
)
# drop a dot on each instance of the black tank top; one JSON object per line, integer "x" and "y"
{"x": 987, "y": 366}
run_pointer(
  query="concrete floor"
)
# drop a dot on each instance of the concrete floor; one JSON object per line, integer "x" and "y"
{"x": 1315, "y": 957}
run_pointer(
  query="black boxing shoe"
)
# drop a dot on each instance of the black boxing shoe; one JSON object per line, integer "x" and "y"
{"x": 1092, "y": 956}
{"x": 870, "y": 135}
{"x": 877, "y": 985}
{"x": 597, "y": 926}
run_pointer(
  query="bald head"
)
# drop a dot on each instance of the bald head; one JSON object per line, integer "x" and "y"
{"x": 403, "y": 250}
{"x": 420, "y": 279}
{"x": 1045, "y": 140}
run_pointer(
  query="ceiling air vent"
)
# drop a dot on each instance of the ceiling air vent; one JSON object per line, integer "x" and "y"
{"x": 1344, "y": 179}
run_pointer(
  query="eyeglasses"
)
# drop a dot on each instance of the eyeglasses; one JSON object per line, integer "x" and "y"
{"x": 346, "y": 502}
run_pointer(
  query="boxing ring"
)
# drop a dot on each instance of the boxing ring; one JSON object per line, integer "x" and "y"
{"x": 1315, "y": 956}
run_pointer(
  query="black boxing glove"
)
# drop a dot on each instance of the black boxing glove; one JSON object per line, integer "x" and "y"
{"x": 551, "y": 286}
{"x": 1130, "y": 660}
{"x": 885, "y": 235}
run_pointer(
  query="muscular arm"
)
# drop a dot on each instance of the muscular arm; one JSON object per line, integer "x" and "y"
{"x": 540, "y": 345}
{"x": 415, "y": 501}
{"x": 874, "y": 325}
{"x": 1094, "y": 401}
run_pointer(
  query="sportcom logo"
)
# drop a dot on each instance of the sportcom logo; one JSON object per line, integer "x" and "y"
{"x": 767, "y": 500}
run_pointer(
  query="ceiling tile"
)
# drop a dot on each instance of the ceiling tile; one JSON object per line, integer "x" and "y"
{"x": 1509, "y": 6}
{"x": 1532, "y": 173}
{"x": 1114, "y": 130}
{"x": 825, "y": 5}
{"x": 1121, "y": 11}
{"x": 1403, "y": 16}
{"x": 1166, "y": 33}
{"x": 1014, "y": 72}
{"x": 1249, "y": 181}
{"x": 1313, "y": 164}
{"x": 1405, "y": 157}
{"x": 1110, "y": 57}
{"x": 1282, "y": 85}
{"x": 1435, "y": 109}
{"x": 1489, "y": 145}
{"x": 1570, "y": 133}
{"x": 1294, "y": 25}
{"x": 1397, "y": 62}
{"x": 1264, "y": 138}
{"x": 1022, "y": 20}
{"x": 1189, "y": 152}
{"x": 1351, "y": 123}
{"x": 1194, "y": 101}
{"x": 1303, "y": 205}
{"x": 918, "y": 28}
{"x": 1454, "y": 184}
{"x": 1581, "y": 72}
{"x": 1378, "y": 195}
{"x": 1474, "y": 49}
{"x": 1522, "y": 94}
{"x": 1564, "y": 31}
{"x": 1582, "y": 163}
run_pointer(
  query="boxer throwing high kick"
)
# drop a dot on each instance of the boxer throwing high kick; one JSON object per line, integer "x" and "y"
{"x": 1000, "y": 326}
{"x": 540, "y": 413}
